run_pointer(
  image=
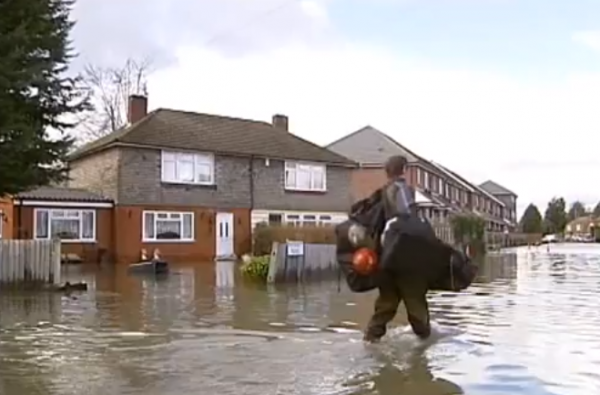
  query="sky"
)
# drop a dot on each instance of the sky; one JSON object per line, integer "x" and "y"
{"x": 507, "y": 90}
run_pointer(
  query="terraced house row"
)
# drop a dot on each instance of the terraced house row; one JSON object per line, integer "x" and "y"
{"x": 440, "y": 191}
{"x": 195, "y": 186}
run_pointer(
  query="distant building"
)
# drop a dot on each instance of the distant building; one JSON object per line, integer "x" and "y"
{"x": 582, "y": 226}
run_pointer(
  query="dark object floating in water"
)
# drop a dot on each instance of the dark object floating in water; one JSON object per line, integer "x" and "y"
{"x": 68, "y": 287}
{"x": 150, "y": 267}
{"x": 70, "y": 259}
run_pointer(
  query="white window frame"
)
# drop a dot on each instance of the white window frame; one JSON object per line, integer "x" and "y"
{"x": 325, "y": 220}
{"x": 1, "y": 222}
{"x": 55, "y": 211}
{"x": 308, "y": 219}
{"x": 426, "y": 182}
{"x": 178, "y": 158}
{"x": 171, "y": 217}
{"x": 441, "y": 186}
{"x": 294, "y": 167}
{"x": 293, "y": 219}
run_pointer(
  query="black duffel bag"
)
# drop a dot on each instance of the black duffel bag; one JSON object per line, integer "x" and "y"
{"x": 410, "y": 248}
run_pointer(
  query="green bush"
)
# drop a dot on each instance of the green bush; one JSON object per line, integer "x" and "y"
{"x": 257, "y": 268}
{"x": 469, "y": 230}
{"x": 265, "y": 235}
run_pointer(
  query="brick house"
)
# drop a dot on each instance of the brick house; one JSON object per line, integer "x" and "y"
{"x": 370, "y": 148}
{"x": 505, "y": 195}
{"x": 441, "y": 190}
{"x": 582, "y": 227}
{"x": 83, "y": 220}
{"x": 194, "y": 185}
{"x": 481, "y": 203}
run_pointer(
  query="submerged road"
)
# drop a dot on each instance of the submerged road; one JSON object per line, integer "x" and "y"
{"x": 529, "y": 326}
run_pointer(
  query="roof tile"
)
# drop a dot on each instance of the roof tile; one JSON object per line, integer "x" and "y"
{"x": 213, "y": 133}
{"x": 62, "y": 194}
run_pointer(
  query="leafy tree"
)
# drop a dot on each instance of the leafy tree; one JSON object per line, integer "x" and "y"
{"x": 555, "y": 217}
{"x": 577, "y": 210}
{"x": 596, "y": 211}
{"x": 531, "y": 220}
{"x": 37, "y": 97}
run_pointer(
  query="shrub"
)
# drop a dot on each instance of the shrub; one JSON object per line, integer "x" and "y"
{"x": 265, "y": 235}
{"x": 469, "y": 229}
{"x": 257, "y": 268}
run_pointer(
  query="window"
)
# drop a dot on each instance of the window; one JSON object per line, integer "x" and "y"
{"x": 293, "y": 220}
{"x": 67, "y": 225}
{"x": 440, "y": 186}
{"x": 275, "y": 219}
{"x": 168, "y": 226}
{"x": 426, "y": 183}
{"x": 324, "y": 220}
{"x": 309, "y": 220}
{"x": 187, "y": 168}
{"x": 447, "y": 192}
{"x": 305, "y": 177}
{"x": 1, "y": 222}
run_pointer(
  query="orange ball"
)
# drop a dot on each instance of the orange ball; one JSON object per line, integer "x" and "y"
{"x": 364, "y": 261}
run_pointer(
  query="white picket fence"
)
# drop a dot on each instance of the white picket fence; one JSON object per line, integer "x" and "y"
{"x": 23, "y": 261}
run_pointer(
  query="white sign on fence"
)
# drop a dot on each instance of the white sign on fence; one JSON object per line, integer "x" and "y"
{"x": 295, "y": 248}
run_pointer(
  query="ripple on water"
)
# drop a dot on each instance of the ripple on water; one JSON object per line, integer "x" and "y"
{"x": 529, "y": 327}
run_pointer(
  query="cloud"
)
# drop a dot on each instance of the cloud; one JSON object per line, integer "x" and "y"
{"x": 481, "y": 125}
{"x": 589, "y": 38}
{"x": 108, "y": 32}
{"x": 256, "y": 58}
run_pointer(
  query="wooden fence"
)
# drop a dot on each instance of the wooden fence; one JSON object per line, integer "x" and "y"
{"x": 317, "y": 260}
{"x": 30, "y": 261}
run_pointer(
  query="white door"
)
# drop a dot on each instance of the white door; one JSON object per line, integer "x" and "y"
{"x": 224, "y": 234}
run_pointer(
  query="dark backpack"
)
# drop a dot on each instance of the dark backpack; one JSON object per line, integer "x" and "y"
{"x": 370, "y": 214}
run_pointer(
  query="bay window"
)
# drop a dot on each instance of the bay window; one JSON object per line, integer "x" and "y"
{"x": 187, "y": 168}
{"x": 66, "y": 224}
{"x": 305, "y": 177}
{"x": 167, "y": 226}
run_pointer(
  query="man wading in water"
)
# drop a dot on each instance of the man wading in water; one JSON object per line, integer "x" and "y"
{"x": 399, "y": 200}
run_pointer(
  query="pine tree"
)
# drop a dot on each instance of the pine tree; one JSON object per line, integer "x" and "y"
{"x": 37, "y": 96}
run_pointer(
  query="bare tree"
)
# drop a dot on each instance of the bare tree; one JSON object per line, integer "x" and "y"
{"x": 109, "y": 89}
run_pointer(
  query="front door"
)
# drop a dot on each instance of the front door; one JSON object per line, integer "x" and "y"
{"x": 224, "y": 234}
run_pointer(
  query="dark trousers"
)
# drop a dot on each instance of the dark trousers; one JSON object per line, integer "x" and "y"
{"x": 391, "y": 294}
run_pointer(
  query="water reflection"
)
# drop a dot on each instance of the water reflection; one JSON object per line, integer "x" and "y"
{"x": 529, "y": 326}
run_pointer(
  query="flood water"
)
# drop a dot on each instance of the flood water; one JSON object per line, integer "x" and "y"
{"x": 530, "y": 326}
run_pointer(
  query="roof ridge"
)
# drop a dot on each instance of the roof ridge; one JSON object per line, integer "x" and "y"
{"x": 204, "y": 114}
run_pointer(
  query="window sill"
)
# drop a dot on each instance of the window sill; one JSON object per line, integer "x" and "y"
{"x": 72, "y": 241}
{"x": 195, "y": 184}
{"x": 297, "y": 190}
{"x": 167, "y": 241}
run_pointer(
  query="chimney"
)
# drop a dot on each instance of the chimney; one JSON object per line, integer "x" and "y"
{"x": 137, "y": 108}
{"x": 280, "y": 122}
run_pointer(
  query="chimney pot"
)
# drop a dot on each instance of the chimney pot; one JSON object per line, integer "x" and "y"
{"x": 281, "y": 122}
{"x": 137, "y": 108}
